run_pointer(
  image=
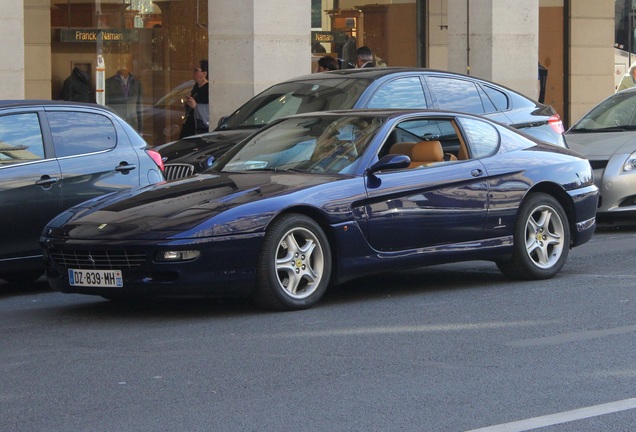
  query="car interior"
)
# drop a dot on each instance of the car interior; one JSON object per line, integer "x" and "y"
{"x": 427, "y": 142}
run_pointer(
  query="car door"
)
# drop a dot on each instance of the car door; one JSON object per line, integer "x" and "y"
{"x": 439, "y": 204}
{"x": 30, "y": 190}
{"x": 94, "y": 153}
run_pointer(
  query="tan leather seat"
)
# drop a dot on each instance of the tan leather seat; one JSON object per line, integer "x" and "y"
{"x": 426, "y": 152}
{"x": 404, "y": 148}
{"x": 462, "y": 154}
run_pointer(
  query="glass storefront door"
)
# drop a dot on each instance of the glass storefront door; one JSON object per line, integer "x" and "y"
{"x": 388, "y": 28}
{"x": 136, "y": 56}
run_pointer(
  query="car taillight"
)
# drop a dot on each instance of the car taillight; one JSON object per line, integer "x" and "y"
{"x": 556, "y": 124}
{"x": 155, "y": 156}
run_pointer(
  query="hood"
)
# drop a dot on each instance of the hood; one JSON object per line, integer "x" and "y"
{"x": 196, "y": 150}
{"x": 200, "y": 206}
{"x": 601, "y": 145}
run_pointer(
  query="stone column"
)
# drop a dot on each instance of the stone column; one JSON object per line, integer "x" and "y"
{"x": 591, "y": 55}
{"x": 254, "y": 44}
{"x": 497, "y": 40}
{"x": 37, "y": 49}
{"x": 12, "y": 59}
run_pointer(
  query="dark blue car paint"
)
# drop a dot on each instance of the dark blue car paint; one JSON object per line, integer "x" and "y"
{"x": 375, "y": 222}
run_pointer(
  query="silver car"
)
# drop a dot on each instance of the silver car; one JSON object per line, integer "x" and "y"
{"x": 607, "y": 137}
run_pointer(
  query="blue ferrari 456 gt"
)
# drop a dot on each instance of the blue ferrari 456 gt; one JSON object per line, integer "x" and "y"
{"x": 316, "y": 199}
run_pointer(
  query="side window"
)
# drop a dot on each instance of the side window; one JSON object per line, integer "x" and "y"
{"x": 77, "y": 133}
{"x": 481, "y": 137}
{"x": 498, "y": 98}
{"x": 456, "y": 94}
{"x": 427, "y": 140}
{"x": 399, "y": 93}
{"x": 20, "y": 138}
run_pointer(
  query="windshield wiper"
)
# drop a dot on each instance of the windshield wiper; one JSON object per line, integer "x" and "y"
{"x": 607, "y": 129}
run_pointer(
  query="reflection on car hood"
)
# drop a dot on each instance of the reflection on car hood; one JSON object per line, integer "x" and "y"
{"x": 197, "y": 148}
{"x": 198, "y": 206}
{"x": 602, "y": 145}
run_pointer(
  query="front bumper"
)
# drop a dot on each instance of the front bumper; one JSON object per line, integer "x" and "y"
{"x": 585, "y": 205}
{"x": 226, "y": 266}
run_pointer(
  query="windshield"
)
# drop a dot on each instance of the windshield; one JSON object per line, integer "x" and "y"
{"x": 295, "y": 98}
{"x": 329, "y": 144}
{"x": 617, "y": 113}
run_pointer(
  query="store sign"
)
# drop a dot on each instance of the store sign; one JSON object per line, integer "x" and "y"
{"x": 98, "y": 35}
{"x": 322, "y": 36}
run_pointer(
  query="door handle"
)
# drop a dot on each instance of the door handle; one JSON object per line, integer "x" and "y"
{"x": 45, "y": 180}
{"x": 125, "y": 168}
{"x": 477, "y": 172}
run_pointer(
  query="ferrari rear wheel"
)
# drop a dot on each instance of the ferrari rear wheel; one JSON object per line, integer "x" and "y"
{"x": 294, "y": 265}
{"x": 541, "y": 240}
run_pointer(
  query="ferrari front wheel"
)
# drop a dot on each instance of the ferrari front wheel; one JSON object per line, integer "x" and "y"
{"x": 294, "y": 265}
{"x": 541, "y": 239}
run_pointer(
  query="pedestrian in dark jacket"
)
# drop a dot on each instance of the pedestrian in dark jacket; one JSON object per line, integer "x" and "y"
{"x": 123, "y": 94}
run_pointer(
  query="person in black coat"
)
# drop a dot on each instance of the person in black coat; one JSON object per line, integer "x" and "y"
{"x": 197, "y": 105}
{"x": 77, "y": 87}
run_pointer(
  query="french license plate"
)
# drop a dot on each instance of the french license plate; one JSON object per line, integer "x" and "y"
{"x": 95, "y": 278}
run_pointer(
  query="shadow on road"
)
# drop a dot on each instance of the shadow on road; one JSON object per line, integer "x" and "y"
{"x": 402, "y": 284}
{"x": 417, "y": 282}
{"x": 447, "y": 277}
{"x": 16, "y": 289}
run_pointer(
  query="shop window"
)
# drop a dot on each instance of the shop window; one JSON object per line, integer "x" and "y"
{"x": 158, "y": 43}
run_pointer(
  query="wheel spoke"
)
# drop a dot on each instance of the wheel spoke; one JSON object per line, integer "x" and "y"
{"x": 540, "y": 251}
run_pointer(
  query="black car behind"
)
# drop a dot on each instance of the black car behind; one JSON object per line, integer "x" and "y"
{"x": 364, "y": 88}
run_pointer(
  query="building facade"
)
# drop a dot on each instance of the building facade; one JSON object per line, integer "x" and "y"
{"x": 49, "y": 45}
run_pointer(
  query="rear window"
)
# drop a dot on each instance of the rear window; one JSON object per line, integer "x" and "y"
{"x": 498, "y": 98}
{"x": 76, "y": 133}
{"x": 297, "y": 97}
{"x": 483, "y": 138}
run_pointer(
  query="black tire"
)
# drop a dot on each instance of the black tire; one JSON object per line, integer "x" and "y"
{"x": 294, "y": 264}
{"x": 22, "y": 277}
{"x": 541, "y": 240}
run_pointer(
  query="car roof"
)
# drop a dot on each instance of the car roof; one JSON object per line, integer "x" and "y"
{"x": 378, "y": 72}
{"x": 386, "y": 112}
{"x": 375, "y": 73}
{"x": 39, "y": 102}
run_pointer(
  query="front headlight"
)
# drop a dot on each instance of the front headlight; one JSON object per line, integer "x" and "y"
{"x": 174, "y": 256}
{"x": 630, "y": 163}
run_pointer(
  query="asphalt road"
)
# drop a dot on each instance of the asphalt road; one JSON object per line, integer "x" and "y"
{"x": 447, "y": 348}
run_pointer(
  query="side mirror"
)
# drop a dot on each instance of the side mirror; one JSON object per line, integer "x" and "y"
{"x": 221, "y": 121}
{"x": 390, "y": 162}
